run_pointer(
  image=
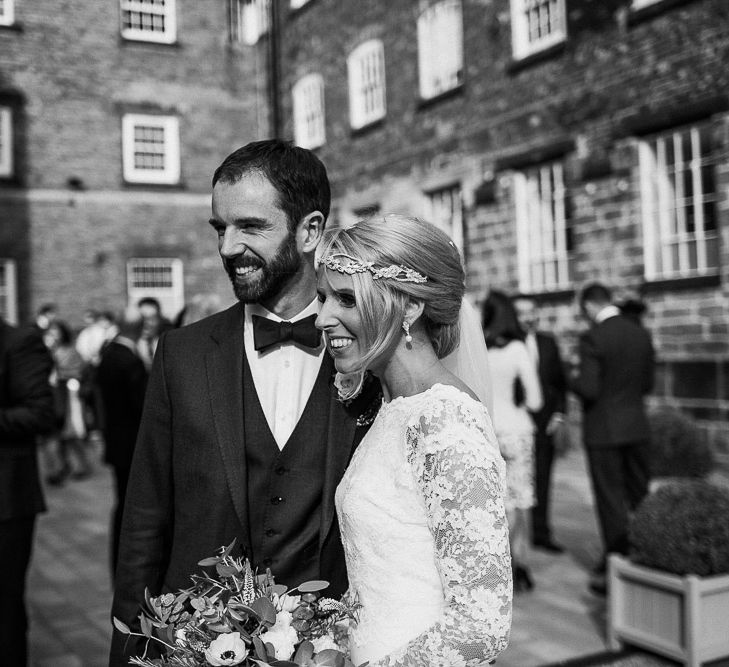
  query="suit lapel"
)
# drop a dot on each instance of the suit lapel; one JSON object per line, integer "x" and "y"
{"x": 340, "y": 443}
{"x": 225, "y": 384}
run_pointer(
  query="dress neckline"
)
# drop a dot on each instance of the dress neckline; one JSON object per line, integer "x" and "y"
{"x": 398, "y": 400}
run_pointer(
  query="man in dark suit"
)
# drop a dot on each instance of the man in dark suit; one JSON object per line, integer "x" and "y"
{"x": 121, "y": 378}
{"x": 544, "y": 352}
{"x": 26, "y": 410}
{"x": 242, "y": 435}
{"x": 615, "y": 372}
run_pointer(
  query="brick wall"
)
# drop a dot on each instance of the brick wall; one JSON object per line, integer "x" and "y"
{"x": 619, "y": 75}
{"x": 75, "y": 78}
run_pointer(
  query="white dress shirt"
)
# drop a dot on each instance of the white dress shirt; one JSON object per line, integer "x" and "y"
{"x": 284, "y": 375}
{"x": 607, "y": 312}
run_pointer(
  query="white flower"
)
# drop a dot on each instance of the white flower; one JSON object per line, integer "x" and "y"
{"x": 286, "y": 602}
{"x": 325, "y": 642}
{"x": 283, "y": 618}
{"x": 282, "y": 636}
{"x": 348, "y": 385}
{"x": 181, "y": 636}
{"x": 227, "y": 649}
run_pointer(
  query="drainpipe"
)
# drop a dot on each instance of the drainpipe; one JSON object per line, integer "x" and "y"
{"x": 274, "y": 69}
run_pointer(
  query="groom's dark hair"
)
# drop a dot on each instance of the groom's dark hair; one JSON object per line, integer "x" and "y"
{"x": 299, "y": 176}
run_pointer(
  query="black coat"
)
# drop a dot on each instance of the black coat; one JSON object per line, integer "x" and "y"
{"x": 616, "y": 371}
{"x": 122, "y": 380}
{"x": 551, "y": 380}
{"x": 188, "y": 491}
{"x": 26, "y": 410}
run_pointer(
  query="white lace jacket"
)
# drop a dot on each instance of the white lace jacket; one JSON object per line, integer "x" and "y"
{"x": 425, "y": 535}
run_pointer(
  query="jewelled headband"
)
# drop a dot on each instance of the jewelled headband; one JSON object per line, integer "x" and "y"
{"x": 394, "y": 272}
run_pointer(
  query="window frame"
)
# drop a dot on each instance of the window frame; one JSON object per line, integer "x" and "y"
{"x": 172, "y": 298}
{"x": 521, "y": 44}
{"x": 248, "y": 20}
{"x": 309, "y": 119}
{"x": 432, "y": 66}
{"x": 297, "y": 4}
{"x": 7, "y": 167}
{"x": 366, "y": 79}
{"x": 541, "y": 195}
{"x": 454, "y": 223}
{"x": 9, "y": 290}
{"x": 662, "y": 191}
{"x": 642, "y": 4}
{"x": 170, "y": 125}
{"x": 167, "y": 36}
{"x": 7, "y": 16}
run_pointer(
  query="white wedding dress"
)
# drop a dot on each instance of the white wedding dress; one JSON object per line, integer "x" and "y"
{"x": 425, "y": 537}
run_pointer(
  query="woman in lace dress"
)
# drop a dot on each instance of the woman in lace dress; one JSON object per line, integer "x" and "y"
{"x": 516, "y": 393}
{"x": 421, "y": 504}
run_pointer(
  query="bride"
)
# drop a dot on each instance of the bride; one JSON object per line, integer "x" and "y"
{"x": 420, "y": 506}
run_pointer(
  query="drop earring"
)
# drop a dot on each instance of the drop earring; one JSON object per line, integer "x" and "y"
{"x": 406, "y": 329}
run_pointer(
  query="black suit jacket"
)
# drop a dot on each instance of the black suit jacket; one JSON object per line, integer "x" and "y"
{"x": 552, "y": 381}
{"x": 187, "y": 494}
{"x": 122, "y": 380}
{"x": 26, "y": 410}
{"x": 616, "y": 371}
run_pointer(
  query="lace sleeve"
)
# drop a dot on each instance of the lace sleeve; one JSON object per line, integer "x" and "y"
{"x": 456, "y": 463}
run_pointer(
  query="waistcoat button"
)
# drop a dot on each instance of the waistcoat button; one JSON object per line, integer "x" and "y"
{"x": 270, "y": 532}
{"x": 280, "y": 470}
{"x": 276, "y": 500}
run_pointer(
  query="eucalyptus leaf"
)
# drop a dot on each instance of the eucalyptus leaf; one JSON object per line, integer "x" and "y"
{"x": 260, "y": 648}
{"x": 122, "y": 627}
{"x": 265, "y": 610}
{"x": 304, "y": 652}
{"x": 146, "y": 626}
{"x": 207, "y": 562}
{"x": 313, "y": 586}
{"x": 229, "y": 548}
{"x": 226, "y": 570}
{"x": 329, "y": 658}
{"x": 279, "y": 589}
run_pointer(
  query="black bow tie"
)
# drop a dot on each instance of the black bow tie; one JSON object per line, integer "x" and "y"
{"x": 267, "y": 333}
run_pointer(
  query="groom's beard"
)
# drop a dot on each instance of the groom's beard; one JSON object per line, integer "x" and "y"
{"x": 274, "y": 274}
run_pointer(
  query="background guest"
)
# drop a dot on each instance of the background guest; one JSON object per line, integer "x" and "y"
{"x": 544, "y": 353}
{"x": 153, "y": 324}
{"x": 26, "y": 410}
{"x": 516, "y": 392}
{"x": 615, "y": 372}
{"x": 122, "y": 380}
{"x": 73, "y": 458}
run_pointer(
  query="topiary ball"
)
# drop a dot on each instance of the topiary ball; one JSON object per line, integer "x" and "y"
{"x": 683, "y": 528}
{"x": 679, "y": 447}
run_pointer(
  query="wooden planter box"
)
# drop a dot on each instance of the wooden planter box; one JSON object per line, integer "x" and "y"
{"x": 683, "y": 618}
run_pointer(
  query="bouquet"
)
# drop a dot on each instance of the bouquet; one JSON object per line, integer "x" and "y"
{"x": 235, "y": 617}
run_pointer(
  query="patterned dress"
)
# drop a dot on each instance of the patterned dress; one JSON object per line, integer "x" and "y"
{"x": 513, "y": 423}
{"x": 425, "y": 535}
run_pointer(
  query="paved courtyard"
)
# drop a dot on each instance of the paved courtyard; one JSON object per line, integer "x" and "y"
{"x": 69, "y": 588}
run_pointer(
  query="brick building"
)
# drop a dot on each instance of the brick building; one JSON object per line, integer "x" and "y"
{"x": 113, "y": 117}
{"x": 558, "y": 141}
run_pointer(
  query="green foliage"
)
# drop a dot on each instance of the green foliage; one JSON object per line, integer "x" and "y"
{"x": 683, "y": 528}
{"x": 679, "y": 447}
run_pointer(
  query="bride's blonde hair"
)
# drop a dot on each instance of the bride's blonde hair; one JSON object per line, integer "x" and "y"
{"x": 414, "y": 244}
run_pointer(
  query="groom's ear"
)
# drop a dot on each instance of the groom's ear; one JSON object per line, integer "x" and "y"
{"x": 309, "y": 232}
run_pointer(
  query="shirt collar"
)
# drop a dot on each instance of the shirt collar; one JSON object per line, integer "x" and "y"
{"x": 607, "y": 312}
{"x": 257, "y": 309}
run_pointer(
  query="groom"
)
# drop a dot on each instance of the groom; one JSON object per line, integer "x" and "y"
{"x": 242, "y": 435}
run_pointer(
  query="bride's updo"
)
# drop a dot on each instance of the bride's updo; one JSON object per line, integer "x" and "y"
{"x": 387, "y": 240}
